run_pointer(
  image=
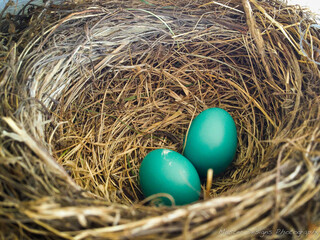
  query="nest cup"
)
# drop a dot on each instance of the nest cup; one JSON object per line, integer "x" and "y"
{"x": 89, "y": 89}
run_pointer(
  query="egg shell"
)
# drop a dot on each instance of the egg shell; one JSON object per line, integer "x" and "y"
{"x": 211, "y": 141}
{"x": 166, "y": 171}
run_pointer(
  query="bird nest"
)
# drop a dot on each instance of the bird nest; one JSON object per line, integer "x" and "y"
{"x": 88, "y": 89}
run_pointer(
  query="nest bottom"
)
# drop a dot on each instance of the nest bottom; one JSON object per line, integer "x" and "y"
{"x": 109, "y": 128}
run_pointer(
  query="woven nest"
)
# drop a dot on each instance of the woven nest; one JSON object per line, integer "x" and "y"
{"x": 87, "y": 90}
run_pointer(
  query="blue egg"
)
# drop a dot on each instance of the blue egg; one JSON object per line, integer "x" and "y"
{"x": 166, "y": 171}
{"x": 211, "y": 141}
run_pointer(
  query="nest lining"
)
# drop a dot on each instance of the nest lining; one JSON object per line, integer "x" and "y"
{"x": 101, "y": 87}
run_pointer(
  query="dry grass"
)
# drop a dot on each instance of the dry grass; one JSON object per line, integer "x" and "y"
{"x": 89, "y": 89}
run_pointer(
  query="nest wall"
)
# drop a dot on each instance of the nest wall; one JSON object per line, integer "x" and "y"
{"x": 87, "y": 90}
